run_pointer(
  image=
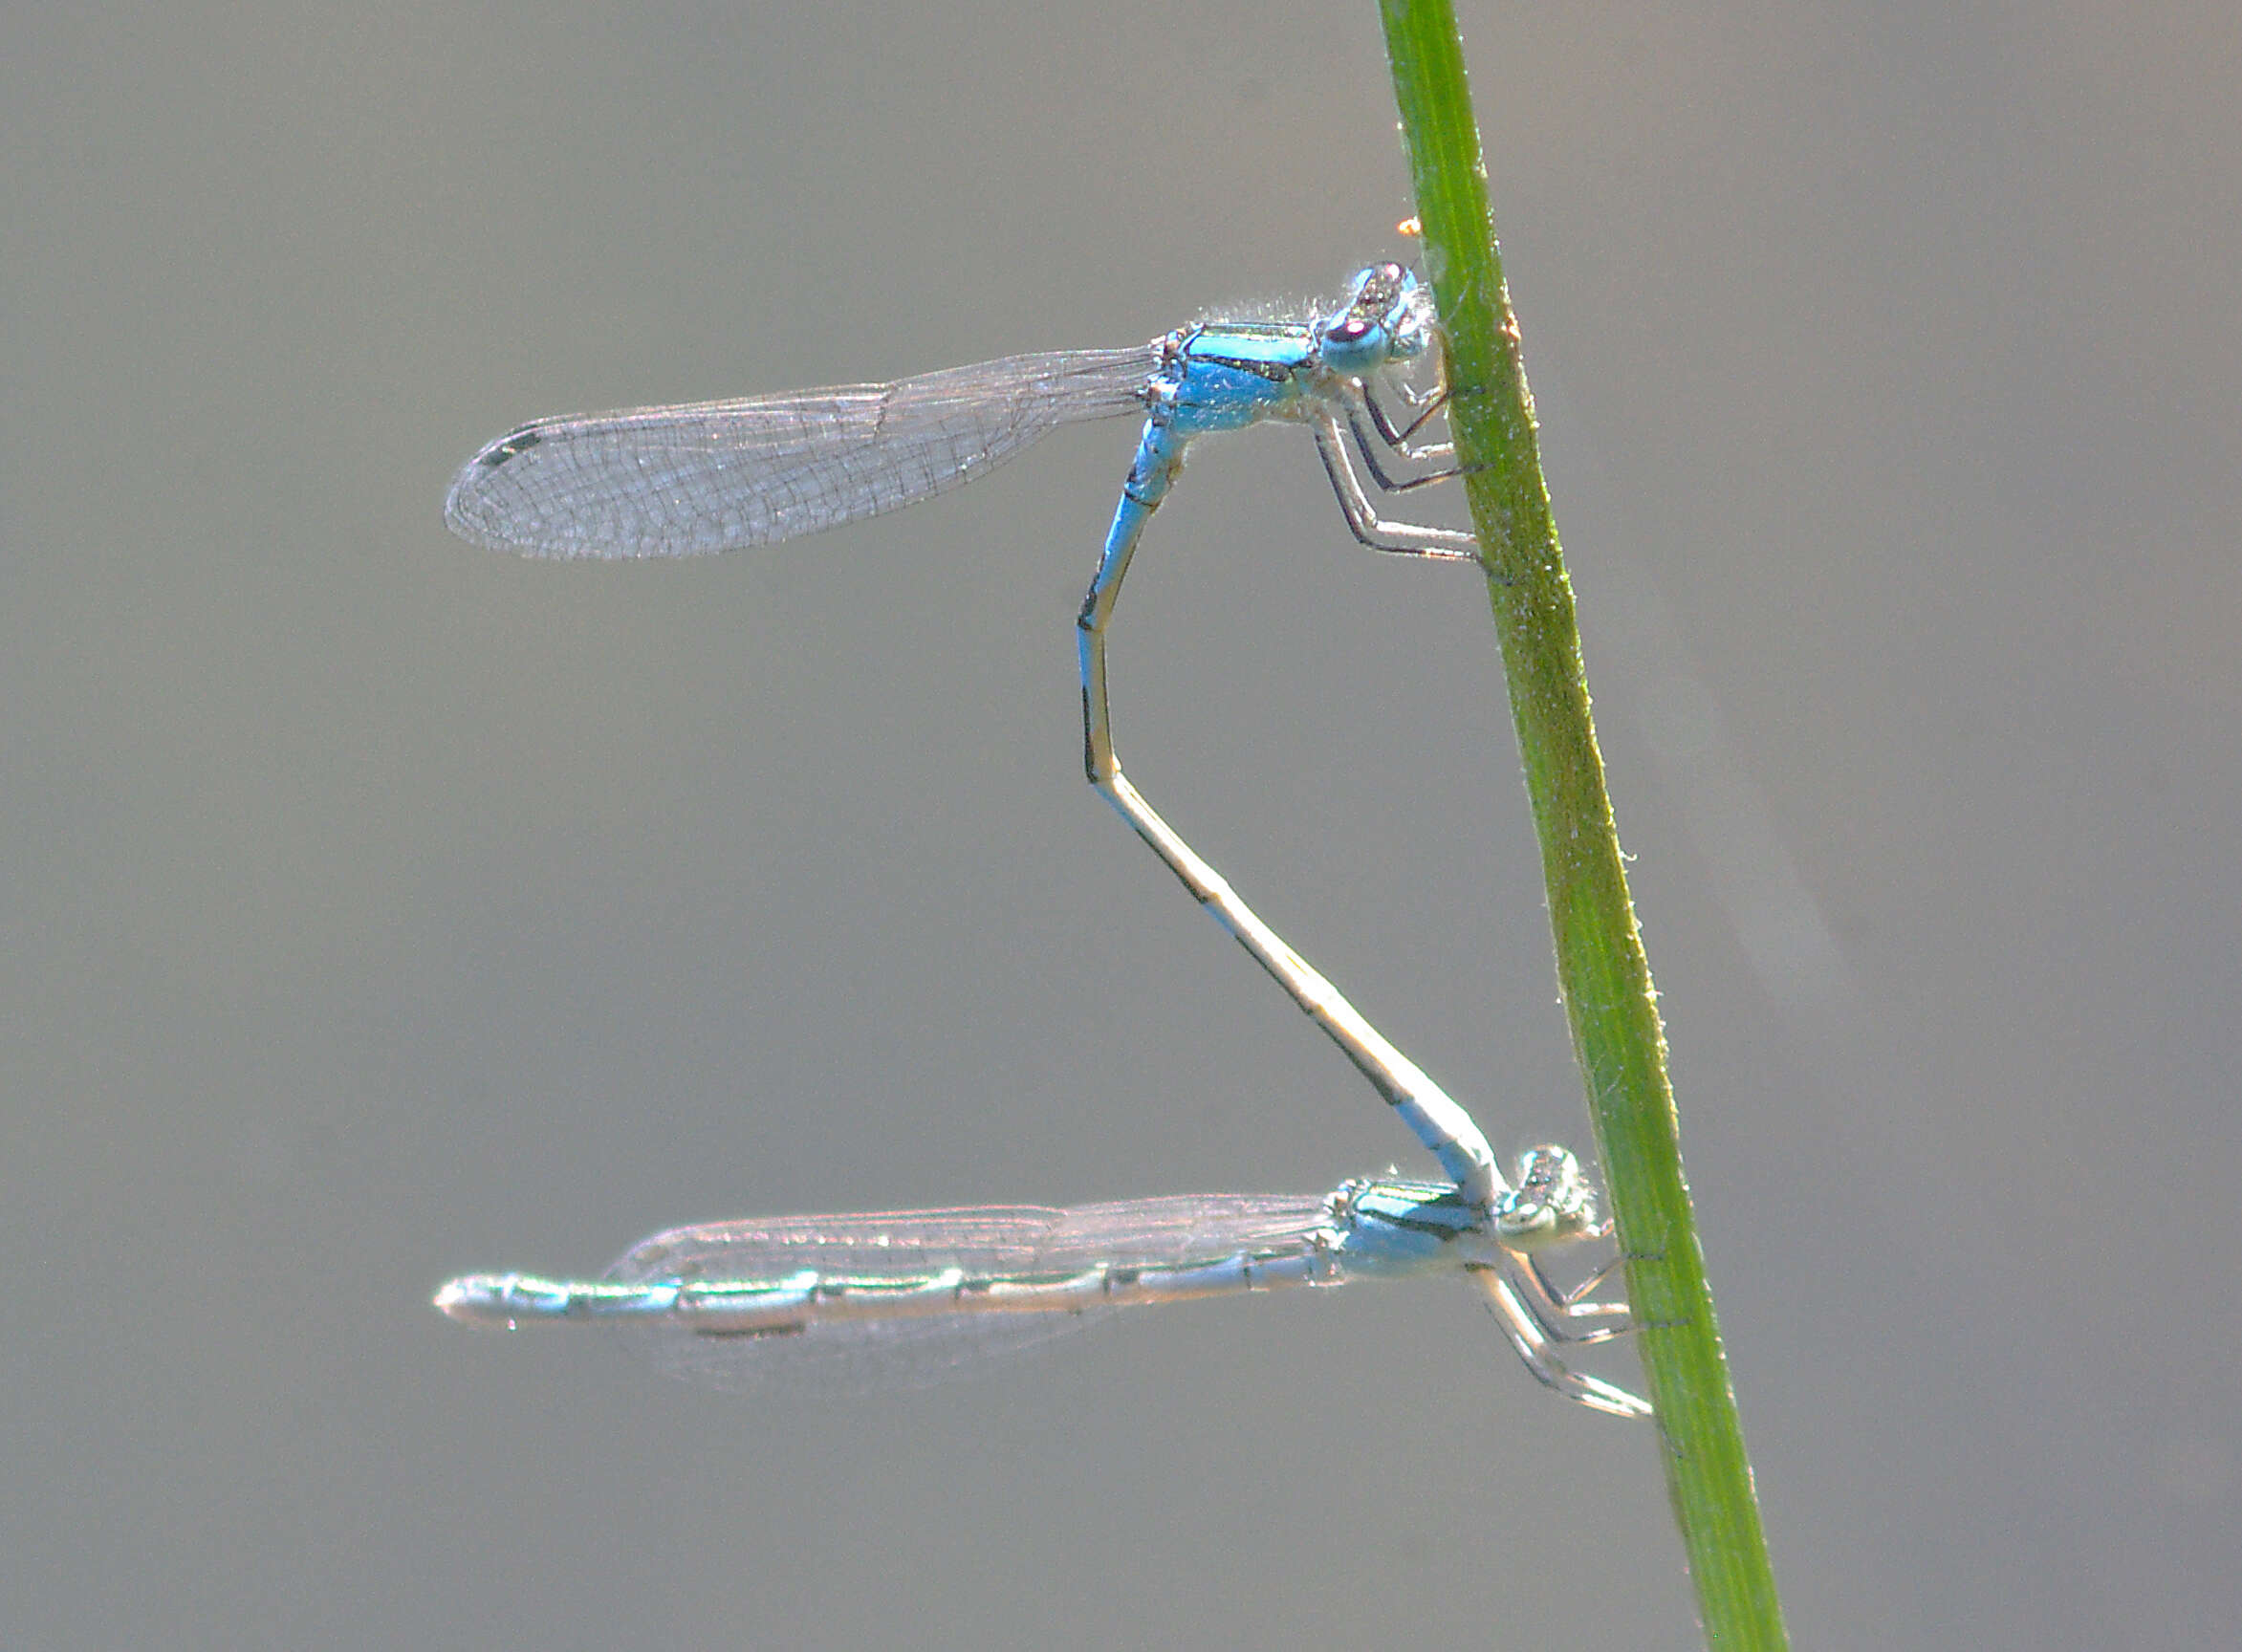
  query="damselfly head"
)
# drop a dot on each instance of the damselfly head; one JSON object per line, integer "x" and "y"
{"x": 1385, "y": 318}
{"x": 1553, "y": 1201}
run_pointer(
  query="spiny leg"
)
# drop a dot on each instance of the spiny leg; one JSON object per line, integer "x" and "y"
{"x": 1399, "y": 436}
{"x": 1404, "y": 538}
{"x": 1562, "y": 1312}
{"x": 1391, "y": 483}
{"x": 1535, "y": 1340}
{"x": 1368, "y": 449}
{"x": 1576, "y": 1301}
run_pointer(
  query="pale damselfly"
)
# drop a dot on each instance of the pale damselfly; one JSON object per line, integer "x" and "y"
{"x": 926, "y": 1288}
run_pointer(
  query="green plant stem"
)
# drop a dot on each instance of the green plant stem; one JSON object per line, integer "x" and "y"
{"x": 1601, "y": 970}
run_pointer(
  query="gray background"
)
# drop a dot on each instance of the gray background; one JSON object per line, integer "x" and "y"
{"x": 378, "y": 910}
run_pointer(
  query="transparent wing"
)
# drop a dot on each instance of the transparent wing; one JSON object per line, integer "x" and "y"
{"x": 1011, "y": 1242}
{"x": 721, "y": 475}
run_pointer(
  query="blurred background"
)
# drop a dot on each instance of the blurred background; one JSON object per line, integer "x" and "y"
{"x": 382, "y": 910}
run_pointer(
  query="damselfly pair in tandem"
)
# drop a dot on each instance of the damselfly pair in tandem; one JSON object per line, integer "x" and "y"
{"x": 906, "y": 1295}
